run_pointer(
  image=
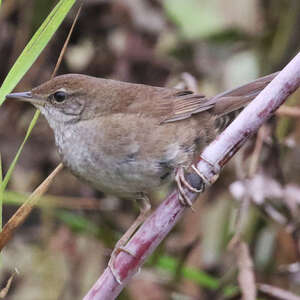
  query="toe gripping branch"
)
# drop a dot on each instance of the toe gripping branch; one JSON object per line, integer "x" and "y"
{"x": 194, "y": 182}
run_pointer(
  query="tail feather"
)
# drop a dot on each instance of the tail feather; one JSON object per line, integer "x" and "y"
{"x": 237, "y": 98}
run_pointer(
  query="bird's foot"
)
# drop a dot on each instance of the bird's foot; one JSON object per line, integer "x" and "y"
{"x": 182, "y": 182}
{"x": 113, "y": 256}
{"x": 145, "y": 207}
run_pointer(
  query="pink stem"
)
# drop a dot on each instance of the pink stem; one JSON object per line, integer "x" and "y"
{"x": 215, "y": 156}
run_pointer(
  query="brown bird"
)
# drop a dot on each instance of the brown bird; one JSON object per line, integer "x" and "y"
{"x": 129, "y": 139}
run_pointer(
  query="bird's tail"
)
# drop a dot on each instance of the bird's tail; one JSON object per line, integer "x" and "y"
{"x": 228, "y": 104}
{"x": 237, "y": 98}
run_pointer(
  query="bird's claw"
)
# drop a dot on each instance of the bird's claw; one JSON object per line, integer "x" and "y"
{"x": 113, "y": 256}
{"x": 181, "y": 181}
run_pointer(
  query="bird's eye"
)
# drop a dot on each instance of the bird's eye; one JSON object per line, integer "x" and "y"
{"x": 59, "y": 96}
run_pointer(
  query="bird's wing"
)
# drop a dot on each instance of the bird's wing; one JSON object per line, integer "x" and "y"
{"x": 167, "y": 105}
{"x": 170, "y": 105}
{"x": 184, "y": 104}
{"x": 220, "y": 105}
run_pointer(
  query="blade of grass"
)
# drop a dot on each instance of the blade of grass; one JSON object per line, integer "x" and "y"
{"x": 51, "y": 201}
{"x": 13, "y": 164}
{"x": 1, "y": 200}
{"x": 1, "y": 192}
{"x": 35, "y": 46}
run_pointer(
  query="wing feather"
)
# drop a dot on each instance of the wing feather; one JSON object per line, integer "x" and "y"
{"x": 171, "y": 105}
{"x": 185, "y": 107}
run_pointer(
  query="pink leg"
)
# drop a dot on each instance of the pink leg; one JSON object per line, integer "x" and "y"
{"x": 145, "y": 207}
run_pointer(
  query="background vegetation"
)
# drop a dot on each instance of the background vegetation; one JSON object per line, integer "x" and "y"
{"x": 65, "y": 243}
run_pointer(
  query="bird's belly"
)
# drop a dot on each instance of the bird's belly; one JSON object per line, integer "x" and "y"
{"x": 125, "y": 177}
{"x": 126, "y": 160}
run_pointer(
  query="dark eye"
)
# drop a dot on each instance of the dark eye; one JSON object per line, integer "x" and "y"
{"x": 59, "y": 96}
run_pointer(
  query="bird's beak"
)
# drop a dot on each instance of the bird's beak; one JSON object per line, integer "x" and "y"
{"x": 26, "y": 97}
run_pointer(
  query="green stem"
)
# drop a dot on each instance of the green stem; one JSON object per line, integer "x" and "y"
{"x": 1, "y": 189}
{"x": 13, "y": 164}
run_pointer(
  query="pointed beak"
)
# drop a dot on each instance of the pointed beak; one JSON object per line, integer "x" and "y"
{"x": 26, "y": 97}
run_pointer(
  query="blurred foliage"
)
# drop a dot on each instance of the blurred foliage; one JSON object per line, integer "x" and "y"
{"x": 194, "y": 19}
{"x": 64, "y": 245}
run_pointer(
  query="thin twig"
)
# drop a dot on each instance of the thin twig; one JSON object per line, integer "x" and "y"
{"x": 64, "y": 48}
{"x": 289, "y": 111}
{"x": 257, "y": 150}
{"x": 24, "y": 210}
{"x": 246, "y": 277}
{"x": 277, "y": 292}
{"x": 5, "y": 290}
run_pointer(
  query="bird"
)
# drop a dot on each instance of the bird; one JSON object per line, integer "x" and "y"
{"x": 129, "y": 139}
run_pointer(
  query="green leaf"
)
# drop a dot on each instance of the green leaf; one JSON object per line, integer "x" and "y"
{"x": 35, "y": 46}
{"x": 13, "y": 164}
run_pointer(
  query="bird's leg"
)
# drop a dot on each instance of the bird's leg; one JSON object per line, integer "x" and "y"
{"x": 144, "y": 207}
{"x": 181, "y": 182}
